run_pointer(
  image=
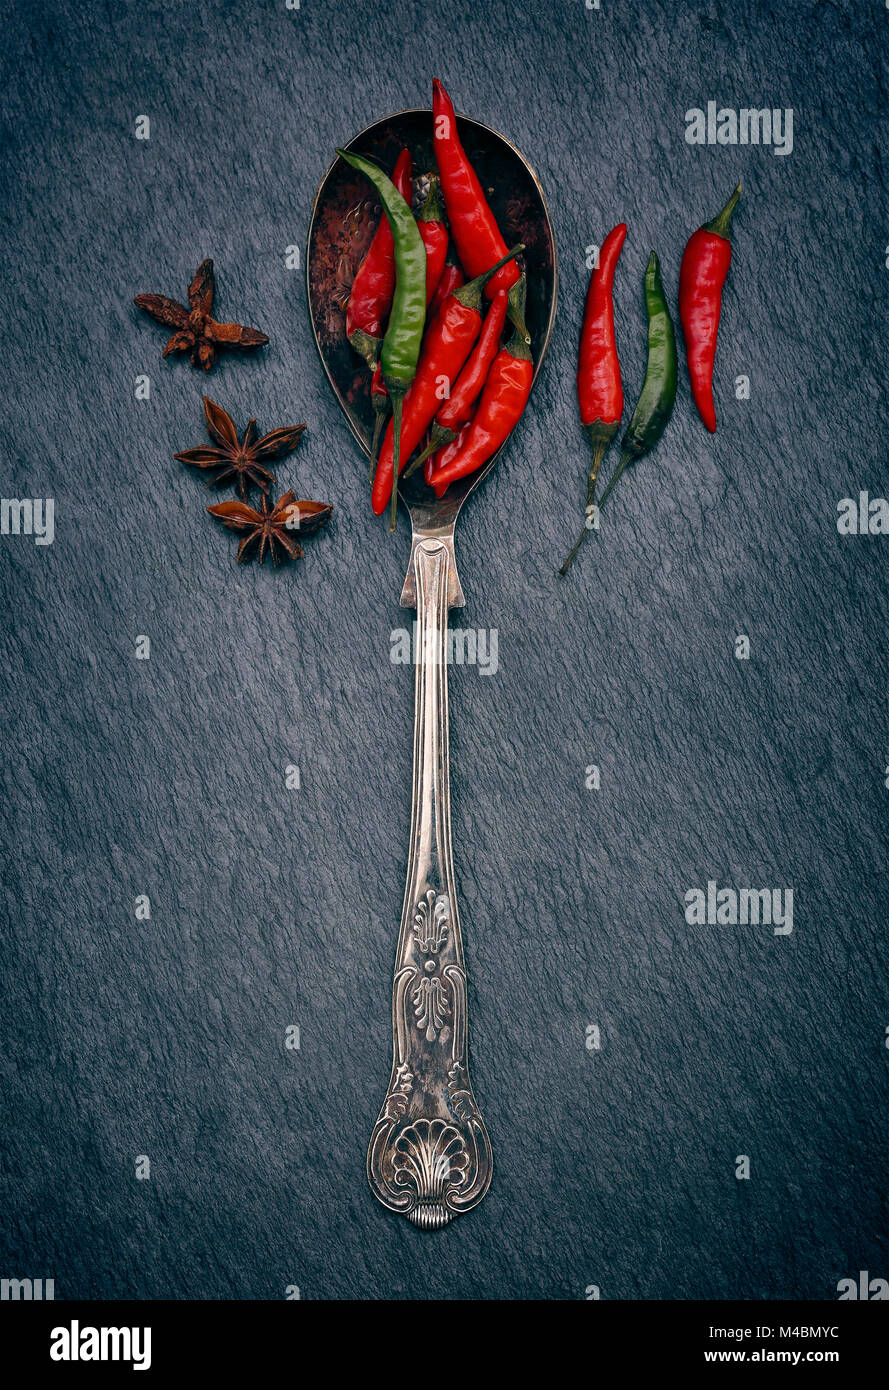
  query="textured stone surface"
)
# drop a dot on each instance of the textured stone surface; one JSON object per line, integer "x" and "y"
{"x": 271, "y": 907}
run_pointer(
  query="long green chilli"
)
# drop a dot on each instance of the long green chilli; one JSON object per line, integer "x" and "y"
{"x": 407, "y": 319}
{"x": 655, "y": 404}
{"x": 401, "y": 345}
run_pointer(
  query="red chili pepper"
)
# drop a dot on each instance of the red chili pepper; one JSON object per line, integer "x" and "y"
{"x": 452, "y": 278}
{"x": 600, "y": 391}
{"x": 473, "y": 225}
{"x": 503, "y": 400}
{"x": 370, "y": 298}
{"x": 599, "y": 388}
{"x": 448, "y": 343}
{"x": 705, "y": 264}
{"x": 457, "y": 409}
{"x": 434, "y": 234}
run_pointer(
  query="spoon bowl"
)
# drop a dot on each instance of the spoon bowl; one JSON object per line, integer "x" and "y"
{"x": 344, "y": 218}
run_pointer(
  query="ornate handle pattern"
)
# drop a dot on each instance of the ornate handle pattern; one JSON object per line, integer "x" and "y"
{"x": 429, "y": 1155}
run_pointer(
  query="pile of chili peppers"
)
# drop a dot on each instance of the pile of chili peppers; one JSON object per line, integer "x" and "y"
{"x": 438, "y": 362}
{"x": 705, "y": 264}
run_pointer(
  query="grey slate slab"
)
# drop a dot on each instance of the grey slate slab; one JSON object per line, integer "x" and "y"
{"x": 272, "y": 907}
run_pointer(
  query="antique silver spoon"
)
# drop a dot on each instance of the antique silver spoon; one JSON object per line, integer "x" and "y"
{"x": 429, "y": 1155}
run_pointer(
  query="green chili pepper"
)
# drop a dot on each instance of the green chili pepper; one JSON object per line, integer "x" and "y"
{"x": 655, "y": 403}
{"x": 407, "y": 319}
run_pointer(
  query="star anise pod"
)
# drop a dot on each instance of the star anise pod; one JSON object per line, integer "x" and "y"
{"x": 276, "y": 525}
{"x": 243, "y": 461}
{"x": 196, "y": 332}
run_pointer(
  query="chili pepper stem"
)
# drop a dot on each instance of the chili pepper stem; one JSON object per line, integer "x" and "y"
{"x": 440, "y": 438}
{"x": 366, "y": 346}
{"x": 578, "y": 543}
{"x": 433, "y": 208}
{"x": 598, "y": 455}
{"x": 516, "y": 311}
{"x": 470, "y": 294}
{"x": 599, "y": 448}
{"x": 381, "y": 412}
{"x": 720, "y": 223}
{"x": 625, "y": 458}
{"x": 397, "y": 401}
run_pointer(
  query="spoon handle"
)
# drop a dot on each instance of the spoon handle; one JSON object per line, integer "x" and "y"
{"x": 429, "y": 1155}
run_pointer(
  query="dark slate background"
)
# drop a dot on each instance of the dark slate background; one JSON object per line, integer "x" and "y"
{"x": 273, "y": 907}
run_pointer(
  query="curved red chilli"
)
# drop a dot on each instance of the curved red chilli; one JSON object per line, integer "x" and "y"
{"x": 434, "y": 236}
{"x": 705, "y": 264}
{"x": 599, "y": 387}
{"x": 458, "y": 407}
{"x": 473, "y": 225}
{"x": 452, "y": 278}
{"x": 503, "y": 400}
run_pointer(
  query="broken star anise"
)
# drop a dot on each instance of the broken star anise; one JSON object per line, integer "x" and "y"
{"x": 276, "y": 525}
{"x": 195, "y": 331}
{"x": 244, "y": 461}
